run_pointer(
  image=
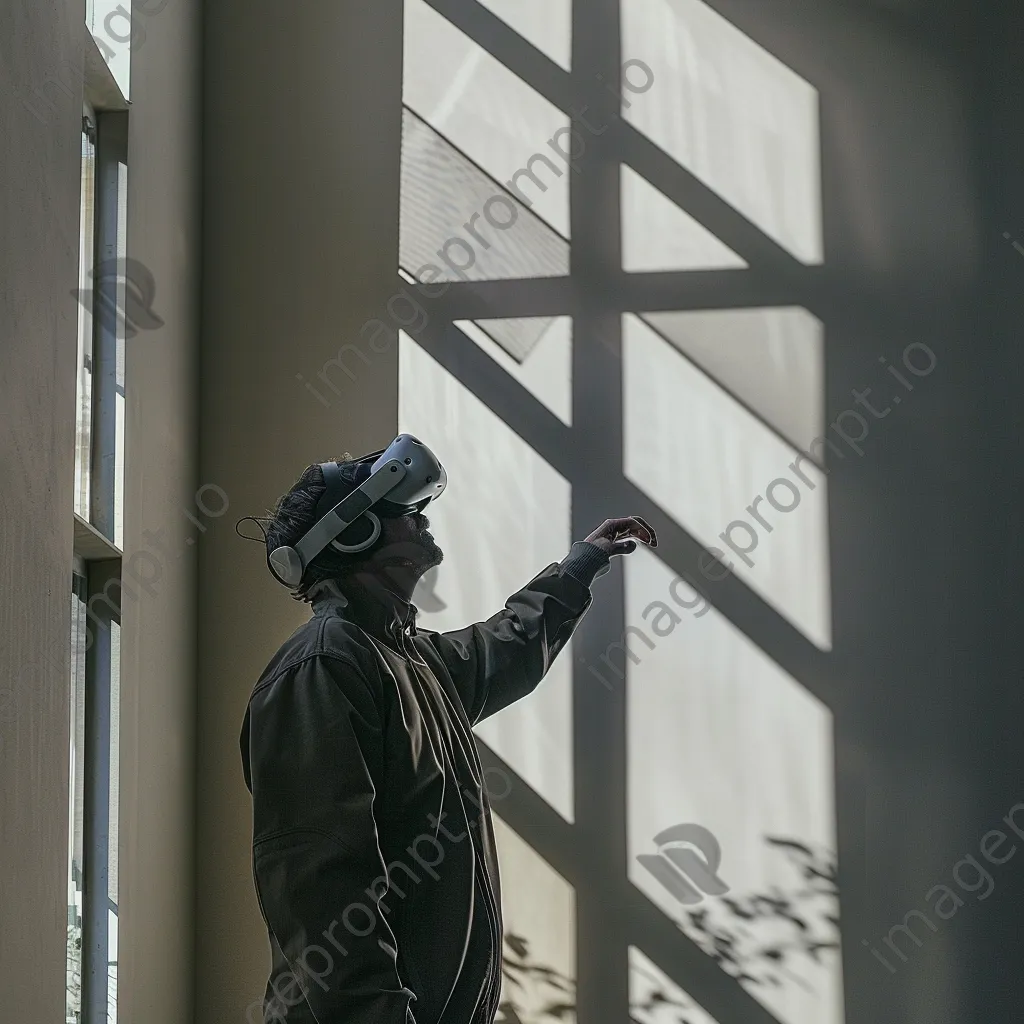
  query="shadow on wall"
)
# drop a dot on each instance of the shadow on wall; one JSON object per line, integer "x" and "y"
{"x": 757, "y": 938}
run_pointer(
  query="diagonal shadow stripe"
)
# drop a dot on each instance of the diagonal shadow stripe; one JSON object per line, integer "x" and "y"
{"x": 441, "y": 189}
{"x": 687, "y": 191}
{"x": 681, "y": 186}
{"x": 629, "y": 911}
{"x": 761, "y": 623}
{"x": 709, "y": 376}
{"x": 677, "y": 548}
{"x": 508, "y": 47}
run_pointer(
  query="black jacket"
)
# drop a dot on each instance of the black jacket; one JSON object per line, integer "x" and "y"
{"x": 373, "y": 851}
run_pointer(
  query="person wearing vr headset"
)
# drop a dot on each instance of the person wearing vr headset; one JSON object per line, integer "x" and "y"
{"x": 373, "y": 851}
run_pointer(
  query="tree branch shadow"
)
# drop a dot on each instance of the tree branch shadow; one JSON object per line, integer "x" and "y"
{"x": 762, "y": 939}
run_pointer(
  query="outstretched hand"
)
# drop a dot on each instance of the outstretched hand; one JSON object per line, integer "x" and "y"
{"x": 619, "y": 536}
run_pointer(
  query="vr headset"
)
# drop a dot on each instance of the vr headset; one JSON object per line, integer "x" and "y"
{"x": 403, "y": 478}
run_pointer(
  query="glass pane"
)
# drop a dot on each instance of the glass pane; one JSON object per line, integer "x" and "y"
{"x": 539, "y": 911}
{"x": 658, "y": 235}
{"x": 488, "y": 113}
{"x": 113, "y": 829}
{"x": 546, "y": 372}
{"x": 76, "y": 790}
{"x": 119, "y": 438}
{"x": 83, "y": 425}
{"x": 461, "y": 223}
{"x": 110, "y": 22}
{"x": 732, "y": 114}
{"x": 503, "y": 518}
{"x": 728, "y": 479}
{"x": 772, "y": 360}
{"x": 547, "y": 24}
{"x": 655, "y": 999}
{"x": 721, "y": 737}
{"x": 112, "y": 968}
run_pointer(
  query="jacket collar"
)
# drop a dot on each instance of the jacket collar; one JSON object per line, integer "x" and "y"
{"x": 373, "y": 608}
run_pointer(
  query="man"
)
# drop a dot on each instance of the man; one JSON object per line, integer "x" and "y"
{"x": 373, "y": 852}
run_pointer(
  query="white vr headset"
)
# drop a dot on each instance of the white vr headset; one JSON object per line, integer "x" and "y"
{"x": 403, "y": 479}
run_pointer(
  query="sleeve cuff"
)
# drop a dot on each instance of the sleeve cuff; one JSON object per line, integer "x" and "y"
{"x": 585, "y": 562}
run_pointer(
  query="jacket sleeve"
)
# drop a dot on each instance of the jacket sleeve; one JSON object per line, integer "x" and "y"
{"x": 496, "y": 662}
{"x": 314, "y": 752}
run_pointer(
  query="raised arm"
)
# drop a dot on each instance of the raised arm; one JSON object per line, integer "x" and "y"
{"x": 314, "y": 751}
{"x": 497, "y": 661}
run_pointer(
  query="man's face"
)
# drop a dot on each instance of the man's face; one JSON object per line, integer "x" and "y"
{"x": 407, "y": 543}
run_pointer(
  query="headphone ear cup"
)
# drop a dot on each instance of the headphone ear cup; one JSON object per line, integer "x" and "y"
{"x": 361, "y": 535}
{"x": 286, "y": 565}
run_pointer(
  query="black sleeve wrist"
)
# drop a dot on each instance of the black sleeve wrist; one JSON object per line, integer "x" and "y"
{"x": 585, "y": 562}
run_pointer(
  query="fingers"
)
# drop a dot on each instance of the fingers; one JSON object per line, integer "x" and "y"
{"x": 621, "y": 532}
{"x": 651, "y": 537}
{"x": 631, "y": 526}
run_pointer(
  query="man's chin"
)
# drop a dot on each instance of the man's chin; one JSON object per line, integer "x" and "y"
{"x": 433, "y": 555}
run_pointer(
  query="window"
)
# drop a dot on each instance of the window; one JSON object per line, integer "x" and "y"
{"x": 93, "y": 803}
{"x": 83, "y": 426}
{"x": 76, "y": 830}
{"x": 104, "y": 295}
{"x": 612, "y": 208}
{"x": 103, "y": 324}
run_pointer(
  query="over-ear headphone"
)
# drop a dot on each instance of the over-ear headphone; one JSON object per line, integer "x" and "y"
{"x": 403, "y": 478}
{"x": 362, "y": 534}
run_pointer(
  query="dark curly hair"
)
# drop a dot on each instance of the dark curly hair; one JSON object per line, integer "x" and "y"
{"x": 295, "y": 513}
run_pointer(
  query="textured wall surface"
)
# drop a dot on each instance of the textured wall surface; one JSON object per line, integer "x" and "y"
{"x": 302, "y": 127}
{"x": 40, "y": 123}
{"x": 158, "y": 711}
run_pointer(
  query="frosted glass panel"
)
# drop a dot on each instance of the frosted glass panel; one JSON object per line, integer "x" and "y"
{"x": 83, "y": 391}
{"x": 721, "y": 737}
{"x": 461, "y": 223}
{"x": 539, "y": 911}
{"x": 114, "y": 789}
{"x": 728, "y": 479}
{"x": 547, "y": 24}
{"x": 773, "y": 360}
{"x": 486, "y": 111}
{"x": 658, "y": 235}
{"x": 732, "y": 114}
{"x": 504, "y": 516}
{"x": 111, "y": 24}
{"x": 547, "y": 371}
{"x": 655, "y": 999}
{"x": 119, "y": 435}
{"x": 80, "y": 641}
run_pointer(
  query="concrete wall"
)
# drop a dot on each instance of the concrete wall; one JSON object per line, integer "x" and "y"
{"x": 920, "y": 172}
{"x": 40, "y": 121}
{"x": 302, "y": 129}
{"x": 157, "y": 794}
{"x": 40, "y": 163}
